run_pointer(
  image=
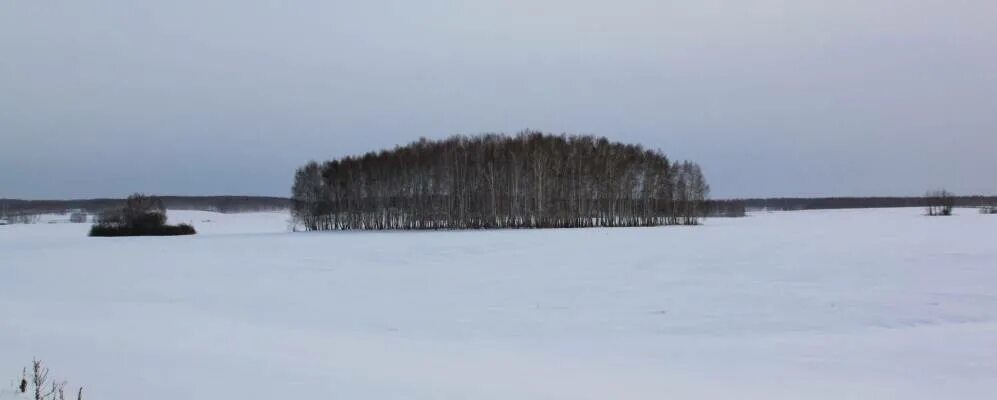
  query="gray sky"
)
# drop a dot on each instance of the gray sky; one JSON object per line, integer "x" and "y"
{"x": 772, "y": 98}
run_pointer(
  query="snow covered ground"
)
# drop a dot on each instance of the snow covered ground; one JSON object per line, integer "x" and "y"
{"x": 871, "y": 304}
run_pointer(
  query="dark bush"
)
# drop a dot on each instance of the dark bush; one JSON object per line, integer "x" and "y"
{"x": 147, "y": 221}
{"x": 161, "y": 230}
{"x": 141, "y": 216}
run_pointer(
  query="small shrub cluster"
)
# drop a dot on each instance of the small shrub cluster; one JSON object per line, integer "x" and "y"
{"x": 162, "y": 230}
{"x": 141, "y": 216}
{"x": 36, "y": 385}
{"x": 939, "y": 202}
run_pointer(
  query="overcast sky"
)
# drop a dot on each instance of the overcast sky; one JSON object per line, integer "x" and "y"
{"x": 772, "y": 98}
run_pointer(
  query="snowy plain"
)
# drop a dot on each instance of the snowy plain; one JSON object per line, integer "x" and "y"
{"x": 849, "y": 304}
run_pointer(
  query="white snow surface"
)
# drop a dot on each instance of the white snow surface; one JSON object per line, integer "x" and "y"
{"x": 852, "y": 304}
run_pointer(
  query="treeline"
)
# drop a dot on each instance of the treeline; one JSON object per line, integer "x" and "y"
{"x": 788, "y": 204}
{"x": 725, "y": 208}
{"x": 224, "y": 204}
{"x": 530, "y": 180}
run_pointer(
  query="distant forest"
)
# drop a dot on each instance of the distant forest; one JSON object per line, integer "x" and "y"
{"x": 530, "y": 180}
{"x": 225, "y": 204}
{"x": 820, "y": 203}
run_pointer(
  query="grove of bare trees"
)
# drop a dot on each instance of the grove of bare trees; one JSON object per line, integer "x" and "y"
{"x": 939, "y": 202}
{"x": 530, "y": 180}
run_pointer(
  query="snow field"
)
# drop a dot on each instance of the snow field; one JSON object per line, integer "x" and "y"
{"x": 816, "y": 304}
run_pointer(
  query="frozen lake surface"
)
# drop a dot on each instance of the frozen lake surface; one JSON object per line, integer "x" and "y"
{"x": 878, "y": 304}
